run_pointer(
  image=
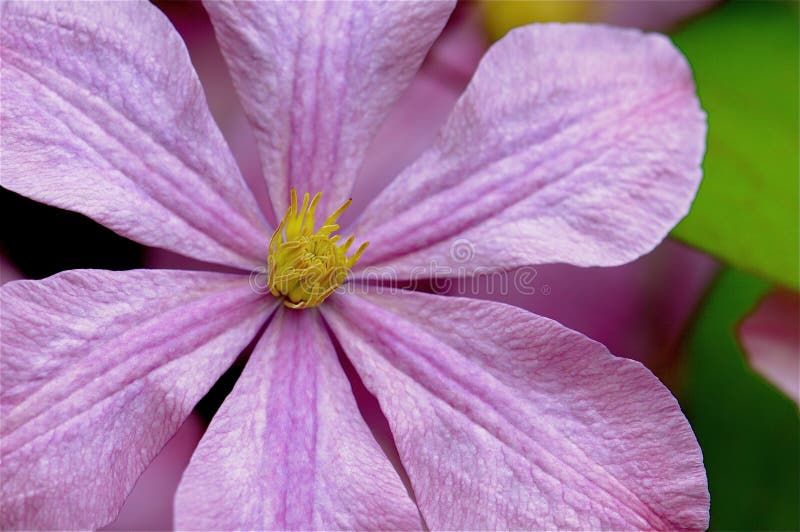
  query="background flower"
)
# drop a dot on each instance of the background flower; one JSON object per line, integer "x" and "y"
{"x": 771, "y": 338}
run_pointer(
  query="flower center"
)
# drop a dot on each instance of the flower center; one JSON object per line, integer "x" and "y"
{"x": 306, "y": 266}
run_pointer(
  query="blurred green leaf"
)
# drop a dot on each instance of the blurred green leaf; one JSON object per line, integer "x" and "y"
{"x": 748, "y": 430}
{"x": 745, "y": 59}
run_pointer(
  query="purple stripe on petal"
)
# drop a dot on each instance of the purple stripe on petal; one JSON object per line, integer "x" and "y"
{"x": 507, "y": 420}
{"x": 288, "y": 449}
{"x": 99, "y": 369}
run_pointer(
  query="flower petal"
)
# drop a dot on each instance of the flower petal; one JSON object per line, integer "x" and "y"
{"x": 103, "y": 114}
{"x": 578, "y": 144}
{"x": 316, "y": 80}
{"x": 771, "y": 337}
{"x": 288, "y": 449}
{"x": 507, "y": 420}
{"x": 99, "y": 369}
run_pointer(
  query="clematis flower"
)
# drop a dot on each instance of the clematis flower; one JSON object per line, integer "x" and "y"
{"x": 571, "y": 143}
{"x": 771, "y": 337}
{"x": 634, "y": 309}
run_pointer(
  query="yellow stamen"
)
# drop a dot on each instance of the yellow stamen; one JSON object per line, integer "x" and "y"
{"x": 306, "y": 266}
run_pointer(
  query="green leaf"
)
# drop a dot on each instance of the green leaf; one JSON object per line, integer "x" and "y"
{"x": 747, "y": 429}
{"x": 745, "y": 59}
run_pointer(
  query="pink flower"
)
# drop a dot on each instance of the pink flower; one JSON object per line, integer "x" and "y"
{"x": 572, "y": 144}
{"x": 771, "y": 338}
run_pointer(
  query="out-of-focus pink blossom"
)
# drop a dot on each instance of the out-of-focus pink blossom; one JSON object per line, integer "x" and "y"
{"x": 771, "y": 338}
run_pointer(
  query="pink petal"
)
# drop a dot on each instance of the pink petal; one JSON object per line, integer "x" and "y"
{"x": 317, "y": 79}
{"x": 771, "y": 337}
{"x": 289, "y": 450}
{"x": 99, "y": 369}
{"x": 507, "y": 420}
{"x": 578, "y": 144}
{"x": 103, "y": 114}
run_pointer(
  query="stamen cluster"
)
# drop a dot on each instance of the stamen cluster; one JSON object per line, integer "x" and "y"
{"x": 306, "y": 266}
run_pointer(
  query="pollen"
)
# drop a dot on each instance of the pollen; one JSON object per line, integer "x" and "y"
{"x": 306, "y": 264}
